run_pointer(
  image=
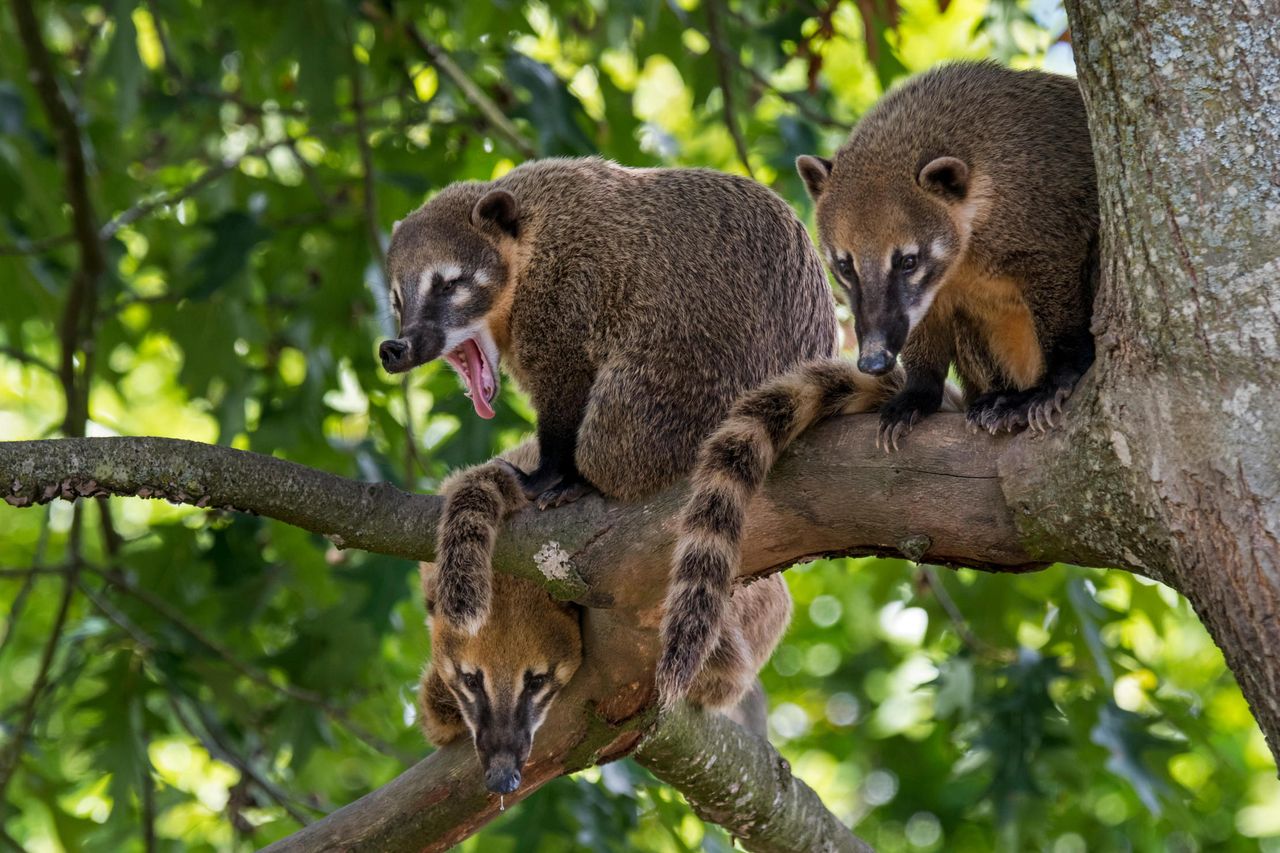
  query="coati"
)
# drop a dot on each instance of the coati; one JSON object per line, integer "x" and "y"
{"x": 961, "y": 217}
{"x": 632, "y": 305}
{"x": 500, "y": 682}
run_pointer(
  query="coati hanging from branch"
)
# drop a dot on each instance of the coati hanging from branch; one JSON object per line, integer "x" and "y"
{"x": 961, "y": 218}
{"x": 499, "y": 684}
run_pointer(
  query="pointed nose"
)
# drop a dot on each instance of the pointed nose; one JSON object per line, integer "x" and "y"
{"x": 394, "y": 355}
{"x": 876, "y": 363}
{"x": 502, "y": 777}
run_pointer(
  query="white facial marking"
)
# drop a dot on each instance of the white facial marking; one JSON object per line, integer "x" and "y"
{"x": 917, "y": 312}
{"x": 936, "y": 248}
{"x": 481, "y": 277}
{"x": 447, "y": 272}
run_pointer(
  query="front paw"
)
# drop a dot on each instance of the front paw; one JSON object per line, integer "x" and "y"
{"x": 564, "y": 492}
{"x": 533, "y": 484}
{"x": 900, "y": 415}
{"x": 998, "y": 411}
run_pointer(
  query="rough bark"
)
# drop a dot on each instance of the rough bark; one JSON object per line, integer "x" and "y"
{"x": 1171, "y": 459}
{"x": 940, "y": 499}
{"x": 737, "y": 780}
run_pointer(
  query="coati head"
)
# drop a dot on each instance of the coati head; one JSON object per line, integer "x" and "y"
{"x": 501, "y": 681}
{"x": 450, "y": 271}
{"x": 891, "y": 242}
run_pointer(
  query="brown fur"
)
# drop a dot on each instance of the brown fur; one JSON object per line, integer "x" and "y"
{"x": 642, "y": 302}
{"x": 985, "y": 175}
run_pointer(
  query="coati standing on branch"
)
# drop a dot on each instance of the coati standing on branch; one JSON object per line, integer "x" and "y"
{"x": 632, "y": 305}
{"x": 500, "y": 682}
{"x": 961, "y": 217}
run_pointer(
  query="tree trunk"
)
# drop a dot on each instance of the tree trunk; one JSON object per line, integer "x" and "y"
{"x": 1172, "y": 457}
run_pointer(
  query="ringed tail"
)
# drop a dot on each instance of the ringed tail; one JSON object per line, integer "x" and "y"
{"x": 477, "y": 501}
{"x": 731, "y": 467}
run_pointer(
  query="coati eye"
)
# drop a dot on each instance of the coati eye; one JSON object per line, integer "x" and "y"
{"x": 844, "y": 265}
{"x": 448, "y": 285}
{"x": 908, "y": 263}
{"x": 395, "y": 301}
{"x": 473, "y": 681}
{"x": 533, "y": 683}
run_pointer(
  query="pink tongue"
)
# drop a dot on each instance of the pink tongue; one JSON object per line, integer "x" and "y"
{"x": 475, "y": 379}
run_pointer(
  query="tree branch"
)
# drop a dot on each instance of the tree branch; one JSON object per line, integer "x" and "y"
{"x": 940, "y": 500}
{"x": 739, "y": 781}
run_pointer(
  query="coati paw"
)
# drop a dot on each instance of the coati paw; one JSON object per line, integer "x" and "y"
{"x": 998, "y": 411}
{"x": 1036, "y": 409}
{"x": 1045, "y": 406}
{"x": 897, "y": 418}
{"x": 563, "y": 493}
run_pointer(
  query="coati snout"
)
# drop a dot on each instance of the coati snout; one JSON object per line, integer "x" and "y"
{"x": 447, "y": 280}
{"x": 499, "y": 683}
{"x": 892, "y": 264}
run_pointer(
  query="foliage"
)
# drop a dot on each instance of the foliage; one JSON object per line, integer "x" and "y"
{"x": 218, "y": 679}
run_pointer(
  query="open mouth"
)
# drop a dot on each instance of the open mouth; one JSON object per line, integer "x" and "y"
{"x": 473, "y": 364}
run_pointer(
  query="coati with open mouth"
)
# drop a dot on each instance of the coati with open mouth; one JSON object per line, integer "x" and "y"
{"x": 631, "y": 305}
{"x": 961, "y": 218}
{"x": 500, "y": 682}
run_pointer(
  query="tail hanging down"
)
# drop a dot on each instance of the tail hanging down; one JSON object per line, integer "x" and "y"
{"x": 732, "y": 465}
{"x": 477, "y": 500}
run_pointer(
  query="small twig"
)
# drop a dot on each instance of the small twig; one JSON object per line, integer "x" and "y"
{"x": 224, "y": 753}
{"x": 253, "y": 673}
{"x": 28, "y": 582}
{"x": 14, "y": 748}
{"x": 472, "y": 93}
{"x": 166, "y": 49}
{"x": 970, "y": 639}
{"x": 807, "y": 110}
{"x": 172, "y": 197}
{"x": 79, "y": 313}
{"x": 36, "y": 247}
{"x": 715, "y": 34}
{"x": 26, "y": 358}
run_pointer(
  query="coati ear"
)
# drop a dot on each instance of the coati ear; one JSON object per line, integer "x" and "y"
{"x": 946, "y": 176}
{"x": 814, "y": 171}
{"x": 395, "y": 226}
{"x": 497, "y": 208}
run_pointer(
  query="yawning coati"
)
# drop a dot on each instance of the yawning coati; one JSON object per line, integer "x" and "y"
{"x": 632, "y": 305}
{"x": 961, "y": 217}
{"x": 500, "y": 682}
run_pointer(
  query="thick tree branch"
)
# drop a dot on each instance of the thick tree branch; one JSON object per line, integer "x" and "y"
{"x": 940, "y": 500}
{"x": 737, "y": 780}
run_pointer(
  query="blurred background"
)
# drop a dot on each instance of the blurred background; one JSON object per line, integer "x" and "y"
{"x": 174, "y": 679}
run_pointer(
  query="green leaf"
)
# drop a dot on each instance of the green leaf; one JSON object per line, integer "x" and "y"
{"x": 235, "y": 235}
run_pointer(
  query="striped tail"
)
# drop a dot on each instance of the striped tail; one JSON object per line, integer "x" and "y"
{"x": 477, "y": 500}
{"x": 732, "y": 465}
